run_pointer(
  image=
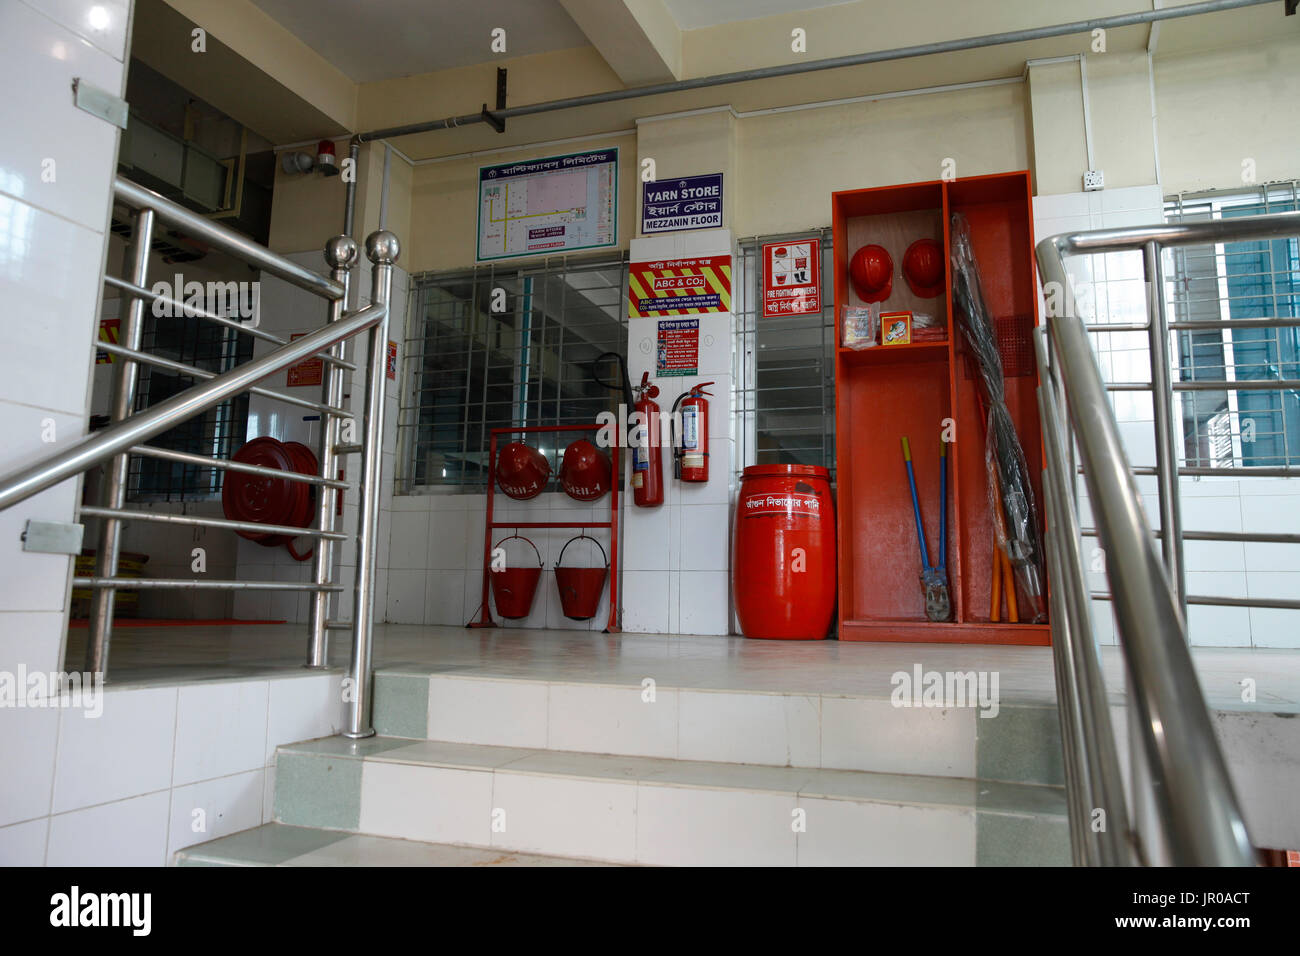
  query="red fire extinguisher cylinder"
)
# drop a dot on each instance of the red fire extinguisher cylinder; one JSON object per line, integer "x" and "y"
{"x": 647, "y": 464}
{"x": 693, "y": 455}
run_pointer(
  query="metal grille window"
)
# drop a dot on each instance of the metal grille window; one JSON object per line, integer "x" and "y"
{"x": 1238, "y": 280}
{"x": 215, "y": 434}
{"x": 497, "y": 346}
{"x": 784, "y": 392}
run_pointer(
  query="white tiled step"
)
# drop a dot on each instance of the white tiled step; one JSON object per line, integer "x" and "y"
{"x": 660, "y": 811}
{"x": 275, "y": 844}
{"x": 835, "y": 731}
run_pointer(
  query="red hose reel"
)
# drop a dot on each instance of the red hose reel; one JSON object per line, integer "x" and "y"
{"x": 264, "y": 500}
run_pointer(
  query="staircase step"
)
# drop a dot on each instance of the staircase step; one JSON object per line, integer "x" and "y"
{"x": 628, "y": 809}
{"x": 832, "y": 730}
{"x": 275, "y": 844}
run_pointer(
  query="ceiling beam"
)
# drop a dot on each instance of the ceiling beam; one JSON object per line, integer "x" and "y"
{"x": 639, "y": 39}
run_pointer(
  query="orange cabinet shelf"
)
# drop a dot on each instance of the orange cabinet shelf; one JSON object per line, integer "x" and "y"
{"x": 915, "y": 390}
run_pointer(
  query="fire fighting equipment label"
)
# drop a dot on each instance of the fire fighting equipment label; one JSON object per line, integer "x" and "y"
{"x": 391, "y": 367}
{"x": 679, "y": 347}
{"x": 792, "y": 278}
{"x": 556, "y": 204}
{"x": 679, "y": 287}
{"x": 754, "y": 505}
{"x": 693, "y": 202}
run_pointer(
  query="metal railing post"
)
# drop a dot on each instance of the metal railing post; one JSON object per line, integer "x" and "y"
{"x": 125, "y": 377}
{"x": 382, "y": 249}
{"x": 341, "y": 254}
{"x": 1162, "y": 398}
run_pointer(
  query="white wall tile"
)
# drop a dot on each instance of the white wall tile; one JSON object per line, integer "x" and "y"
{"x": 23, "y": 844}
{"x": 215, "y": 808}
{"x": 696, "y": 827}
{"x": 82, "y": 146}
{"x": 444, "y": 600}
{"x": 774, "y": 729}
{"x": 124, "y": 752}
{"x": 103, "y": 22}
{"x": 556, "y": 815}
{"x": 220, "y": 729}
{"x": 596, "y": 718}
{"x": 645, "y": 601}
{"x": 705, "y": 602}
{"x": 433, "y": 804}
{"x": 125, "y": 833}
{"x": 28, "y": 738}
{"x": 499, "y": 713}
{"x": 32, "y": 639}
{"x": 302, "y": 708}
{"x": 405, "y": 601}
{"x": 851, "y": 833}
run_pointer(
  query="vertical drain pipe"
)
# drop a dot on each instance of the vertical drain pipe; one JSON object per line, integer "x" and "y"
{"x": 382, "y": 249}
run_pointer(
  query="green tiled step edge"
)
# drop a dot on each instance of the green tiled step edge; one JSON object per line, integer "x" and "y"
{"x": 1021, "y": 745}
{"x": 318, "y": 785}
{"x": 275, "y": 844}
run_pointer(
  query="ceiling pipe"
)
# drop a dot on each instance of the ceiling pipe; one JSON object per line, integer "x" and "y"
{"x": 832, "y": 63}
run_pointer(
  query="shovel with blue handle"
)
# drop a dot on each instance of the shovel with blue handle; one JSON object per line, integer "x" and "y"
{"x": 934, "y": 580}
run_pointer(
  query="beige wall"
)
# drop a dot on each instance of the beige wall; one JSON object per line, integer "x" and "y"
{"x": 1215, "y": 109}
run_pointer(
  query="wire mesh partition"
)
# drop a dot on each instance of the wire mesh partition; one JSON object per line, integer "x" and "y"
{"x": 783, "y": 399}
{"x": 499, "y": 346}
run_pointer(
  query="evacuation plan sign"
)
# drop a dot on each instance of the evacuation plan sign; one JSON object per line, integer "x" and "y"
{"x": 669, "y": 287}
{"x": 542, "y": 206}
{"x": 671, "y": 205}
{"x": 792, "y": 278}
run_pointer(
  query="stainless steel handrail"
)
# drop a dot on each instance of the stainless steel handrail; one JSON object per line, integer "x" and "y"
{"x": 1180, "y": 773}
{"x": 129, "y": 429}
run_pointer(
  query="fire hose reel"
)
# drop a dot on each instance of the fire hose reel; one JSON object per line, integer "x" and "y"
{"x": 264, "y": 500}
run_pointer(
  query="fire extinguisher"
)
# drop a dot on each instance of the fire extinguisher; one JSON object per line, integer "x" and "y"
{"x": 647, "y": 468}
{"x": 691, "y": 454}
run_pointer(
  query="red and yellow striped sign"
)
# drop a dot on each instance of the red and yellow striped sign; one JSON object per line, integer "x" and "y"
{"x": 109, "y": 330}
{"x": 679, "y": 287}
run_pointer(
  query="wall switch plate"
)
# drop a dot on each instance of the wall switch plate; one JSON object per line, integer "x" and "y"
{"x": 1094, "y": 179}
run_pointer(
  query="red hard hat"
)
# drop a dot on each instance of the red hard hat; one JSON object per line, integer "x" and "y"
{"x": 872, "y": 272}
{"x": 923, "y": 268}
{"x": 522, "y": 472}
{"x": 585, "y": 471}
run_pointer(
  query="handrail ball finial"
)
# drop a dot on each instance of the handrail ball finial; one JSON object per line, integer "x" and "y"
{"x": 382, "y": 247}
{"x": 341, "y": 252}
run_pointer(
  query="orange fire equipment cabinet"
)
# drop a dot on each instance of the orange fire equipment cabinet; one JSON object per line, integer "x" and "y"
{"x": 917, "y": 389}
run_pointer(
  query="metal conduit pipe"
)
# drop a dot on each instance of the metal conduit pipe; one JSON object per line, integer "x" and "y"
{"x": 831, "y": 63}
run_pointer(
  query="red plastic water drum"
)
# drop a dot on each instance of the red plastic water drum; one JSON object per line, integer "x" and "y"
{"x": 783, "y": 552}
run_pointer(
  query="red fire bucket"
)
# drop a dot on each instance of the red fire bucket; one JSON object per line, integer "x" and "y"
{"x": 513, "y": 588}
{"x": 580, "y": 588}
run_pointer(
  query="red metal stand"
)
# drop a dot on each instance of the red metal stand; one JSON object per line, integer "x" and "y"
{"x": 615, "y": 618}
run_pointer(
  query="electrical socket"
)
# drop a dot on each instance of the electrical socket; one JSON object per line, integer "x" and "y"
{"x": 1093, "y": 179}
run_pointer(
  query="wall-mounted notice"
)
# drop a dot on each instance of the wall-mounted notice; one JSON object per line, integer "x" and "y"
{"x": 392, "y": 360}
{"x": 679, "y": 347}
{"x": 307, "y": 372}
{"x": 109, "y": 330}
{"x": 670, "y": 205}
{"x": 679, "y": 286}
{"x": 542, "y": 206}
{"x": 792, "y": 278}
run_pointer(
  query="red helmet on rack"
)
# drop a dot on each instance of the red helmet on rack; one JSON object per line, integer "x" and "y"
{"x": 522, "y": 471}
{"x": 585, "y": 471}
{"x": 872, "y": 273}
{"x": 923, "y": 268}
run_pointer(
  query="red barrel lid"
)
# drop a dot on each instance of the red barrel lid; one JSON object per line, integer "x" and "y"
{"x": 804, "y": 471}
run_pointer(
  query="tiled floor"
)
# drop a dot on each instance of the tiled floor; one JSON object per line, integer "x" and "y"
{"x": 148, "y": 655}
